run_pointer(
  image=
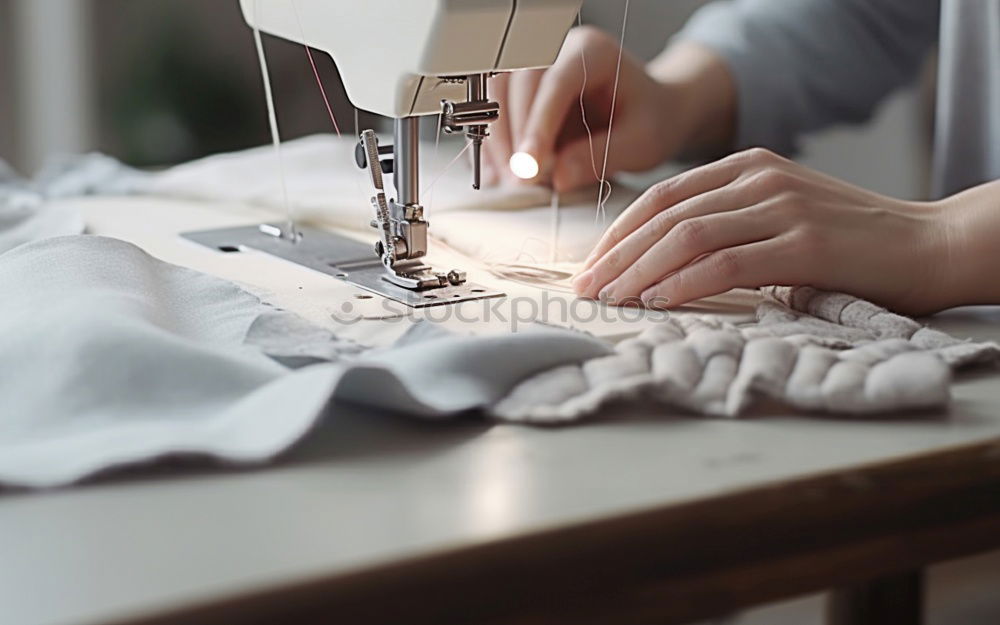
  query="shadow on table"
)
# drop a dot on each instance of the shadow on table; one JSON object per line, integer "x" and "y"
{"x": 350, "y": 432}
{"x": 343, "y": 434}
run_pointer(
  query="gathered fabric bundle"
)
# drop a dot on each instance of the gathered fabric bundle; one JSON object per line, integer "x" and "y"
{"x": 810, "y": 349}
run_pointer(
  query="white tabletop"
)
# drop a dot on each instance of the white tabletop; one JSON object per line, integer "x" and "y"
{"x": 367, "y": 489}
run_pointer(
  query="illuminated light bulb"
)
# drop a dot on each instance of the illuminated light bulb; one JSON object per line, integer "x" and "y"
{"x": 523, "y": 165}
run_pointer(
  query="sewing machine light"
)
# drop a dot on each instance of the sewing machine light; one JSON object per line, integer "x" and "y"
{"x": 523, "y": 165}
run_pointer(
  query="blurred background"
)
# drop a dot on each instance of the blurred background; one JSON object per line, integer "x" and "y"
{"x": 156, "y": 82}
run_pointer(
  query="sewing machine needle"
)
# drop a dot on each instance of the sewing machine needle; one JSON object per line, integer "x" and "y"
{"x": 477, "y": 147}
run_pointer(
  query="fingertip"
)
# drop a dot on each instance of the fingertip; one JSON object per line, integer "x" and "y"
{"x": 654, "y": 299}
{"x": 582, "y": 282}
{"x": 568, "y": 176}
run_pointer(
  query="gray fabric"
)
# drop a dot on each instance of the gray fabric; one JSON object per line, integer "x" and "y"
{"x": 22, "y": 221}
{"x": 295, "y": 342}
{"x": 23, "y": 216}
{"x": 434, "y": 373}
{"x": 812, "y": 350}
{"x": 112, "y": 358}
{"x": 26, "y": 216}
{"x": 804, "y": 65}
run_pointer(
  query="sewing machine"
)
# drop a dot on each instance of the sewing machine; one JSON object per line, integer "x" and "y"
{"x": 404, "y": 59}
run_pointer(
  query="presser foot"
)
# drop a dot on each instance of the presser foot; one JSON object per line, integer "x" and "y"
{"x": 418, "y": 276}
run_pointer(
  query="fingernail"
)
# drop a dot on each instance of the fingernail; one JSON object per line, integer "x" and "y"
{"x": 582, "y": 281}
{"x": 605, "y": 295}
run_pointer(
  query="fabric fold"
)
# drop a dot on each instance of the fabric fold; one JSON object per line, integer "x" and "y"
{"x": 112, "y": 358}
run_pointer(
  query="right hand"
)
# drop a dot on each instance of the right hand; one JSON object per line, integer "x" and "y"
{"x": 540, "y": 114}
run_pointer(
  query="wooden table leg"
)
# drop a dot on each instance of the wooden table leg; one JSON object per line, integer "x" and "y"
{"x": 897, "y": 600}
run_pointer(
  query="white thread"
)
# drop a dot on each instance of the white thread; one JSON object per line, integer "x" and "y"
{"x": 528, "y": 275}
{"x": 536, "y": 277}
{"x": 447, "y": 167}
{"x": 437, "y": 143}
{"x": 554, "y": 229}
{"x": 522, "y": 253}
{"x": 583, "y": 108}
{"x": 290, "y": 232}
{"x": 605, "y": 187}
{"x": 602, "y": 201}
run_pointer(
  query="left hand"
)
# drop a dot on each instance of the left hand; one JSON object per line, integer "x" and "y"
{"x": 756, "y": 219}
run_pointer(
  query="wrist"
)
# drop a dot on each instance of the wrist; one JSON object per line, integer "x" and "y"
{"x": 932, "y": 274}
{"x": 970, "y": 232}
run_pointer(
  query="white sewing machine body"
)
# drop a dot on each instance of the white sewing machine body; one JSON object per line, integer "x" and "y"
{"x": 404, "y": 59}
{"x": 390, "y": 53}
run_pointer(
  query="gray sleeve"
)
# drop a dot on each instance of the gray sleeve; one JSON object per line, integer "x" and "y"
{"x": 802, "y": 65}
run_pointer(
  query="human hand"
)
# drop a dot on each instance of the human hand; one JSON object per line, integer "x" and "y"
{"x": 755, "y": 219}
{"x": 540, "y": 114}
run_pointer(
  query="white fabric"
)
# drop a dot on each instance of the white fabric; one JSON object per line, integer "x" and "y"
{"x": 527, "y": 236}
{"x": 25, "y": 213}
{"x": 24, "y": 222}
{"x": 111, "y": 357}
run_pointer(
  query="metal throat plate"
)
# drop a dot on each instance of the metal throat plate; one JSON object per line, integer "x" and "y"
{"x": 338, "y": 256}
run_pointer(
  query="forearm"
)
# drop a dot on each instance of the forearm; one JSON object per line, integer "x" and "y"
{"x": 971, "y": 258}
{"x": 700, "y": 87}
